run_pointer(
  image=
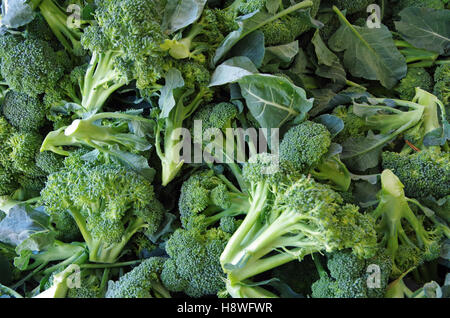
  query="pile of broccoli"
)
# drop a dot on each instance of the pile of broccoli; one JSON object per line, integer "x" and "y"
{"x": 230, "y": 149}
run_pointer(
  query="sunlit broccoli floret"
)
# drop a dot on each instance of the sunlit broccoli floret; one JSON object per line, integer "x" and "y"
{"x": 305, "y": 147}
{"x": 141, "y": 282}
{"x": 108, "y": 203}
{"x": 194, "y": 267}
{"x": 24, "y": 149}
{"x": 29, "y": 65}
{"x": 349, "y": 276}
{"x": 49, "y": 162}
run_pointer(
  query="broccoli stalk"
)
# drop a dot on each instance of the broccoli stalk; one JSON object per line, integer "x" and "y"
{"x": 169, "y": 131}
{"x": 305, "y": 217}
{"x": 394, "y": 215}
{"x": 57, "y": 19}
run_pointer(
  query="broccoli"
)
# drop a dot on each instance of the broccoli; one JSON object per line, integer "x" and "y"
{"x": 90, "y": 286}
{"x": 349, "y": 276}
{"x": 188, "y": 99}
{"x": 57, "y": 19}
{"x": 290, "y": 216}
{"x": 305, "y": 147}
{"x": 29, "y": 65}
{"x": 24, "y": 112}
{"x": 425, "y": 173}
{"x": 193, "y": 266}
{"x": 24, "y": 149}
{"x": 415, "y": 77}
{"x": 442, "y": 85}
{"x": 143, "y": 281}
{"x": 108, "y": 203}
{"x": 400, "y": 231}
{"x": 354, "y": 126}
{"x": 206, "y": 198}
{"x": 49, "y": 162}
{"x": 351, "y": 6}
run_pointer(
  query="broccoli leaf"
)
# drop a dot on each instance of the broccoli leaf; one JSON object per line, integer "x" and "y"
{"x": 426, "y": 29}
{"x": 174, "y": 80}
{"x": 26, "y": 228}
{"x": 329, "y": 64}
{"x": 369, "y": 53}
{"x": 274, "y": 100}
{"x": 252, "y": 46}
{"x": 16, "y": 13}
{"x": 179, "y": 14}
{"x": 232, "y": 70}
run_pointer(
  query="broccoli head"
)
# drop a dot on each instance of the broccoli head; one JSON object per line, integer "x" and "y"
{"x": 108, "y": 203}
{"x": 415, "y": 77}
{"x": 143, "y": 281}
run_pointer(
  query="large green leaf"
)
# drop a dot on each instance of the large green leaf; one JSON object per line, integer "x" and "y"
{"x": 426, "y": 28}
{"x": 369, "y": 53}
{"x": 179, "y": 14}
{"x": 274, "y": 100}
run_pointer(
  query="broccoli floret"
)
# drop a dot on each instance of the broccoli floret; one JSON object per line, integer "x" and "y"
{"x": 206, "y": 198}
{"x": 305, "y": 217}
{"x": 24, "y": 149}
{"x": 90, "y": 286}
{"x": 142, "y": 281}
{"x": 425, "y": 173}
{"x": 108, "y": 203}
{"x": 29, "y": 65}
{"x": 24, "y": 112}
{"x": 416, "y": 77}
{"x": 305, "y": 147}
{"x": 349, "y": 276}
{"x": 8, "y": 181}
{"x": 354, "y": 126}
{"x": 351, "y": 6}
{"x": 442, "y": 85}
{"x": 194, "y": 267}
{"x": 49, "y": 162}
{"x": 400, "y": 231}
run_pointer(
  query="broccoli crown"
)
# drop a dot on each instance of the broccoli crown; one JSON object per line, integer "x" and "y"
{"x": 109, "y": 204}
{"x": 29, "y": 65}
{"x": 141, "y": 282}
{"x": 90, "y": 286}
{"x": 400, "y": 230}
{"x": 24, "y": 112}
{"x": 349, "y": 276}
{"x": 415, "y": 77}
{"x": 351, "y": 6}
{"x": 194, "y": 266}
{"x": 132, "y": 26}
{"x": 218, "y": 116}
{"x": 354, "y": 126}
{"x": 442, "y": 84}
{"x": 205, "y": 199}
{"x": 24, "y": 149}
{"x": 289, "y": 27}
{"x": 49, "y": 162}
{"x": 425, "y": 173}
{"x": 8, "y": 181}
{"x": 304, "y": 145}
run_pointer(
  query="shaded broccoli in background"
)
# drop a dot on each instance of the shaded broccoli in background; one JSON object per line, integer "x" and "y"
{"x": 354, "y": 126}
{"x": 442, "y": 85}
{"x": 349, "y": 276}
{"x": 352, "y": 6}
{"x": 194, "y": 266}
{"x": 415, "y": 77}
{"x": 402, "y": 4}
{"x": 141, "y": 282}
{"x": 24, "y": 112}
{"x": 108, "y": 203}
{"x": 305, "y": 147}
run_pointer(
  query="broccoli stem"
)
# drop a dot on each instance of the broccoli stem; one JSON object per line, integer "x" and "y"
{"x": 245, "y": 291}
{"x": 57, "y": 21}
{"x": 100, "y": 81}
{"x": 335, "y": 171}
